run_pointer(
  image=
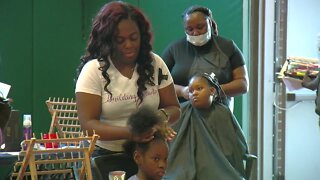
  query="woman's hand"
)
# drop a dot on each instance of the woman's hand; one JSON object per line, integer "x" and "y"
{"x": 144, "y": 137}
{"x": 170, "y": 133}
{"x": 185, "y": 92}
{"x": 306, "y": 77}
{"x": 182, "y": 91}
{"x": 310, "y": 83}
{"x": 167, "y": 131}
{"x": 163, "y": 127}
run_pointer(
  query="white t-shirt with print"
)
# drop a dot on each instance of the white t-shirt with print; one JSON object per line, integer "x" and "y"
{"x": 117, "y": 109}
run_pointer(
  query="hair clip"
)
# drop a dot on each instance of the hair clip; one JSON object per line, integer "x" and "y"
{"x": 212, "y": 75}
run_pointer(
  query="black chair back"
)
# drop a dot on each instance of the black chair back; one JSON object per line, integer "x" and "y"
{"x": 114, "y": 162}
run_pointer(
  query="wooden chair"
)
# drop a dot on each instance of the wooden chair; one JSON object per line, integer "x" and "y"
{"x": 64, "y": 117}
{"x": 71, "y": 160}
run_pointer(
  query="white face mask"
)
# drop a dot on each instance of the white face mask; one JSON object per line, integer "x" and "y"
{"x": 200, "y": 40}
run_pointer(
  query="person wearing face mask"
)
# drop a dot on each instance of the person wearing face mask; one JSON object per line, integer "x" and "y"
{"x": 204, "y": 51}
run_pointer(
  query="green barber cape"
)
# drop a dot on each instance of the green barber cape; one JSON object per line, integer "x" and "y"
{"x": 209, "y": 145}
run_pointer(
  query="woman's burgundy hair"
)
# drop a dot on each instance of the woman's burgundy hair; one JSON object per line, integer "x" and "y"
{"x": 101, "y": 44}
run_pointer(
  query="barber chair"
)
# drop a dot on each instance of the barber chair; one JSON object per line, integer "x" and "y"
{"x": 249, "y": 159}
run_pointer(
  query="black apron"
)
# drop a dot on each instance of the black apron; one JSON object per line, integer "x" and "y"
{"x": 216, "y": 61}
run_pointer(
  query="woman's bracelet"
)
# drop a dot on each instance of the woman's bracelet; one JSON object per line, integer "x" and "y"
{"x": 165, "y": 113}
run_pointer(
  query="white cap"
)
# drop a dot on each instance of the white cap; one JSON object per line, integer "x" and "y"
{"x": 27, "y": 120}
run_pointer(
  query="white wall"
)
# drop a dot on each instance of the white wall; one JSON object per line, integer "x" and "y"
{"x": 303, "y": 27}
{"x": 302, "y": 143}
{"x": 268, "y": 53}
{"x": 302, "y": 124}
